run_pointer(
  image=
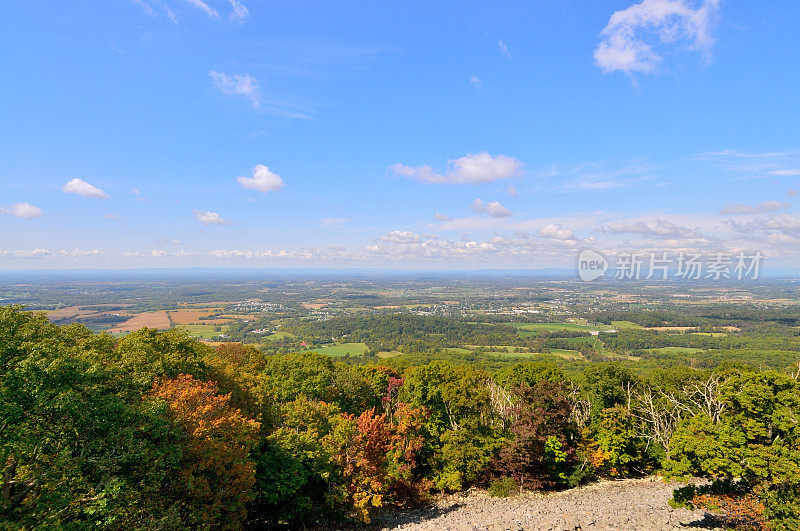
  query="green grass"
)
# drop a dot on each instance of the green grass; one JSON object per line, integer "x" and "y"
{"x": 204, "y": 331}
{"x": 389, "y": 354}
{"x": 554, "y": 327}
{"x": 624, "y": 325}
{"x": 343, "y": 349}
{"x": 277, "y": 336}
{"x": 676, "y": 350}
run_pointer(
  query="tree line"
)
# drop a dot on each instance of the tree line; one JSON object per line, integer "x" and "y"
{"x": 158, "y": 430}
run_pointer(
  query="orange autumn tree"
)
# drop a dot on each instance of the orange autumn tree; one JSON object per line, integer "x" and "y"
{"x": 216, "y": 475}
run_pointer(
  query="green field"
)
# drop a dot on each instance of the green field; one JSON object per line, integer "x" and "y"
{"x": 203, "y": 331}
{"x": 676, "y": 350}
{"x": 277, "y": 336}
{"x": 389, "y": 354}
{"x": 554, "y": 327}
{"x": 623, "y": 325}
{"x": 560, "y": 352}
{"x": 343, "y": 349}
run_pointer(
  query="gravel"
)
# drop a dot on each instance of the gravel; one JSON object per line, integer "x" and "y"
{"x": 639, "y": 504}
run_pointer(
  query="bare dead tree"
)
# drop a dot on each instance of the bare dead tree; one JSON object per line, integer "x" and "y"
{"x": 503, "y": 403}
{"x": 795, "y": 373}
{"x": 659, "y": 415}
{"x": 581, "y": 407}
{"x": 703, "y": 396}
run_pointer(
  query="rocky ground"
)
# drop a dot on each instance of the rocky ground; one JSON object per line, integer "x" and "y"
{"x": 639, "y": 504}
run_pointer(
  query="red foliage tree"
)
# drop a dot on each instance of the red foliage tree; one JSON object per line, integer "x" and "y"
{"x": 216, "y": 475}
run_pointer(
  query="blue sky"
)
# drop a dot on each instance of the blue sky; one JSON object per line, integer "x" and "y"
{"x": 167, "y": 133}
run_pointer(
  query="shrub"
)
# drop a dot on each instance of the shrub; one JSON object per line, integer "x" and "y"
{"x": 503, "y": 488}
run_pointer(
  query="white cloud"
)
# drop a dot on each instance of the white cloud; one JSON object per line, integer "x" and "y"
{"x": 784, "y": 173}
{"x": 791, "y": 193}
{"x": 493, "y": 208}
{"x": 441, "y": 217}
{"x": 332, "y": 222}
{"x": 262, "y": 180}
{"x": 304, "y": 254}
{"x": 475, "y": 81}
{"x": 210, "y": 218}
{"x": 400, "y": 236}
{"x": 173, "y": 241}
{"x": 656, "y": 228}
{"x": 635, "y": 38}
{"x": 512, "y": 190}
{"x": 135, "y": 191}
{"x": 81, "y": 187}
{"x": 237, "y": 85}
{"x": 761, "y": 208}
{"x": 555, "y": 231}
{"x": 474, "y": 168}
{"x": 503, "y": 48}
{"x": 239, "y": 12}
{"x": 208, "y": 10}
{"x": 22, "y": 210}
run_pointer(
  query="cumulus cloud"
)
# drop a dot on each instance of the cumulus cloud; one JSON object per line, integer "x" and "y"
{"x": 22, "y": 210}
{"x": 400, "y": 236}
{"x": 210, "y": 218}
{"x": 761, "y": 208}
{"x": 81, "y": 187}
{"x": 306, "y": 254}
{"x": 656, "y": 228}
{"x": 503, "y": 48}
{"x": 262, "y": 180}
{"x": 474, "y": 168}
{"x": 778, "y": 230}
{"x": 635, "y": 38}
{"x": 555, "y": 231}
{"x": 237, "y": 85}
{"x": 493, "y": 208}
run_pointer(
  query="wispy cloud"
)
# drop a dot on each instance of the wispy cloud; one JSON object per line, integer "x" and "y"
{"x": 636, "y": 39}
{"x": 152, "y": 8}
{"x": 503, "y": 48}
{"x": 239, "y": 12}
{"x": 761, "y": 208}
{"x": 475, "y": 81}
{"x": 471, "y": 169}
{"x": 81, "y": 187}
{"x": 237, "y": 85}
{"x": 332, "y": 222}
